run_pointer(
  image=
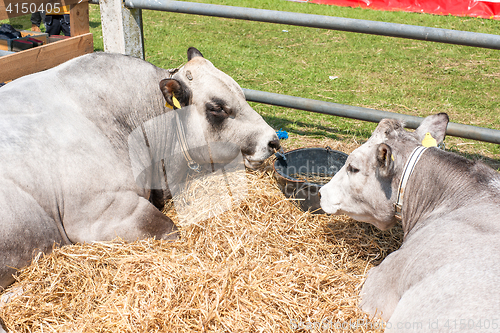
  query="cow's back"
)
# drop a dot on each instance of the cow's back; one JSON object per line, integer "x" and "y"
{"x": 100, "y": 86}
{"x": 76, "y": 116}
{"x": 61, "y": 132}
{"x": 63, "y": 150}
{"x": 445, "y": 273}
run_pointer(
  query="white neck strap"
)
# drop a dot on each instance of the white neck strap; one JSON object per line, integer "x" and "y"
{"x": 408, "y": 170}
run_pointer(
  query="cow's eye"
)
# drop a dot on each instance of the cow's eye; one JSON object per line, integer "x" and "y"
{"x": 217, "y": 110}
{"x": 352, "y": 169}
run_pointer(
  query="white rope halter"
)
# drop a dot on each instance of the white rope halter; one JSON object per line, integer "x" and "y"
{"x": 181, "y": 135}
{"x": 408, "y": 170}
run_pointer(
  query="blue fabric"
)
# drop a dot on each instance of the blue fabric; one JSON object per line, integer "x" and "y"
{"x": 282, "y": 134}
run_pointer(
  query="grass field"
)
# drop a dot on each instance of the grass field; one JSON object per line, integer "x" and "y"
{"x": 393, "y": 74}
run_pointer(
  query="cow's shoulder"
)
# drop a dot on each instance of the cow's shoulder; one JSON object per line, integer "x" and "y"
{"x": 428, "y": 255}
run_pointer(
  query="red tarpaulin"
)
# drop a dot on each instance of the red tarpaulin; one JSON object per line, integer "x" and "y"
{"x": 475, "y": 8}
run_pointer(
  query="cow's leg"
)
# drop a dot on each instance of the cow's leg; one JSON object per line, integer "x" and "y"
{"x": 154, "y": 223}
{"x": 26, "y": 231}
{"x": 379, "y": 295}
{"x": 120, "y": 214}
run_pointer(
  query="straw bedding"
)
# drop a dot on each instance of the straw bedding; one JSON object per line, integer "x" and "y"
{"x": 262, "y": 265}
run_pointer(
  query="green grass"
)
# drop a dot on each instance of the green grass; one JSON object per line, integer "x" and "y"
{"x": 393, "y": 74}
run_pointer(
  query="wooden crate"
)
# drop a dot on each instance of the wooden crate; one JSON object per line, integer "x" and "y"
{"x": 50, "y": 55}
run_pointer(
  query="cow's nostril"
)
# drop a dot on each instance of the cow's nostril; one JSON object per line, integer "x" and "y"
{"x": 275, "y": 144}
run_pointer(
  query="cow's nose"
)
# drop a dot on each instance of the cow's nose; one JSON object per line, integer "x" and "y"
{"x": 274, "y": 144}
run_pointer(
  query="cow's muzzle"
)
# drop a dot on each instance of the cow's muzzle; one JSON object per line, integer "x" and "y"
{"x": 254, "y": 165}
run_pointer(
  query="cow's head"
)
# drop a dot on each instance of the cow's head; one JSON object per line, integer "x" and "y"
{"x": 366, "y": 186}
{"x": 218, "y": 113}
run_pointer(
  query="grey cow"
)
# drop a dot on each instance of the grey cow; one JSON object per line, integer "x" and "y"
{"x": 446, "y": 275}
{"x": 65, "y": 160}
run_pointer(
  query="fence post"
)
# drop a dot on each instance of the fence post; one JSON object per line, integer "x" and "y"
{"x": 122, "y": 28}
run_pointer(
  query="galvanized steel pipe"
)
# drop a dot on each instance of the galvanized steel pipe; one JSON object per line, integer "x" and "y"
{"x": 324, "y": 22}
{"x": 366, "y": 114}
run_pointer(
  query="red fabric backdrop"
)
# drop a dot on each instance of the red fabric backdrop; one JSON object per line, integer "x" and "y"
{"x": 475, "y": 8}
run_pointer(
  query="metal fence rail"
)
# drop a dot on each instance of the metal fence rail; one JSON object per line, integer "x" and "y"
{"x": 325, "y": 22}
{"x": 366, "y": 114}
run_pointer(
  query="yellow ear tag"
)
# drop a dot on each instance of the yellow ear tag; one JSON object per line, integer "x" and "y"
{"x": 168, "y": 105}
{"x": 392, "y": 157}
{"x": 429, "y": 141}
{"x": 176, "y": 102}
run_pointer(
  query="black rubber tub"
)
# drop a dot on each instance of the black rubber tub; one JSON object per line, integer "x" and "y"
{"x": 301, "y": 173}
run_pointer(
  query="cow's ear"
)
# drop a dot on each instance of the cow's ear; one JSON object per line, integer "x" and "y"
{"x": 175, "y": 94}
{"x": 435, "y": 126}
{"x": 193, "y": 52}
{"x": 385, "y": 160}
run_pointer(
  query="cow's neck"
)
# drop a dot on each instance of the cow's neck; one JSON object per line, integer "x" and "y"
{"x": 441, "y": 183}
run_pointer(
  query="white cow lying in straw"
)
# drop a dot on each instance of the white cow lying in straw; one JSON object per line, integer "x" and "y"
{"x": 446, "y": 275}
{"x": 80, "y": 151}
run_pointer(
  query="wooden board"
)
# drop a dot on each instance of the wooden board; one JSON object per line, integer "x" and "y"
{"x": 44, "y": 57}
{"x": 79, "y": 19}
{"x": 14, "y": 8}
{"x": 37, "y": 35}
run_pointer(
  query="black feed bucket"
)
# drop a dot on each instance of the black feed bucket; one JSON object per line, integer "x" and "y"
{"x": 301, "y": 173}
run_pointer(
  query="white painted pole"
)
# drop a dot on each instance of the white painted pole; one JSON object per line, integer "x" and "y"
{"x": 121, "y": 28}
